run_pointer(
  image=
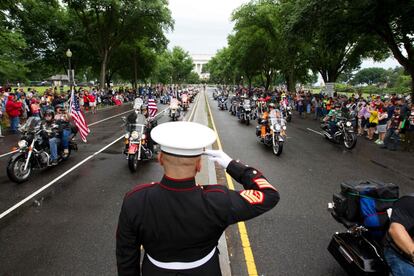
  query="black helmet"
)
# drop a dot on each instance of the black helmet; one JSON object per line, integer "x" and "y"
{"x": 50, "y": 112}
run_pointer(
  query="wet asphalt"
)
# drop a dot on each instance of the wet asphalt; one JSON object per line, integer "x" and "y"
{"x": 71, "y": 230}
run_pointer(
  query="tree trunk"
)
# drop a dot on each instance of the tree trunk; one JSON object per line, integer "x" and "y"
{"x": 108, "y": 81}
{"x": 103, "y": 69}
{"x": 412, "y": 85}
{"x": 135, "y": 71}
{"x": 291, "y": 81}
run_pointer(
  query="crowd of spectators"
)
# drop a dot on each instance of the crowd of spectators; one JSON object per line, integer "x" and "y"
{"x": 387, "y": 120}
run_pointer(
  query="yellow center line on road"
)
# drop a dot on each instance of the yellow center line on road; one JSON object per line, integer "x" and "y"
{"x": 247, "y": 250}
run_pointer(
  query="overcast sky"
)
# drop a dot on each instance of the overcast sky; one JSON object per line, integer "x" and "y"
{"x": 202, "y": 26}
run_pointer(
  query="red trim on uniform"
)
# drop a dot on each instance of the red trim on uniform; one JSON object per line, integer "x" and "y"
{"x": 139, "y": 188}
{"x": 214, "y": 190}
{"x": 215, "y": 185}
{"x": 179, "y": 189}
{"x": 178, "y": 180}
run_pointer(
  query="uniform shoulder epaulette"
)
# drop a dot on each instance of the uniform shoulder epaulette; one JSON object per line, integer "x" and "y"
{"x": 140, "y": 187}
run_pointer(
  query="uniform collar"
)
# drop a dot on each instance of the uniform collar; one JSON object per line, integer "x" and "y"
{"x": 178, "y": 184}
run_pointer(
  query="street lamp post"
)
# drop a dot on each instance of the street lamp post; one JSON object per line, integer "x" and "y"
{"x": 69, "y": 55}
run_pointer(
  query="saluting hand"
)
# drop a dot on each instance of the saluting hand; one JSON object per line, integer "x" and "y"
{"x": 219, "y": 156}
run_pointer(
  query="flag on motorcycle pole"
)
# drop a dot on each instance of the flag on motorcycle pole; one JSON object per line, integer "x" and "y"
{"x": 78, "y": 117}
{"x": 152, "y": 108}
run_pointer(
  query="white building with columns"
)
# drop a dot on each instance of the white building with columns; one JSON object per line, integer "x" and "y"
{"x": 199, "y": 60}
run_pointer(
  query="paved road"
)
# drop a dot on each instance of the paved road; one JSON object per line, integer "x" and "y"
{"x": 292, "y": 238}
{"x": 72, "y": 232}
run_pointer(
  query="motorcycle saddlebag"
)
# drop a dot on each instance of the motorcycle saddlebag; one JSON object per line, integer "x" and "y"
{"x": 357, "y": 256}
{"x": 362, "y": 200}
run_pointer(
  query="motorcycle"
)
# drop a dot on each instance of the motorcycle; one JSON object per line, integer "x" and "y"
{"x": 222, "y": 103}
{"x": 33, "y": 150}
{"x": 287, "y": 113}
{"x": 359, "y": 249}
{"x": 174, "y": 110}
{"x": 273, "y": 137}
{"x": 234, "y": 106}
{"x": 138, "y": 144}
{"x": 344, "y": 133}
{"x": 184, "y": 102}
{"x": 165, "y": 99}
{"x": 245, "y": 112}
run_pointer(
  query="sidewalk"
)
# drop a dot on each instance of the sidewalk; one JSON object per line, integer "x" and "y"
{"x": 208, "y": 176}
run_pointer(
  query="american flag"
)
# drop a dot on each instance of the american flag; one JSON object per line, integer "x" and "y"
{"x": 152, "y": 108}
{"x": 78, "y": 117}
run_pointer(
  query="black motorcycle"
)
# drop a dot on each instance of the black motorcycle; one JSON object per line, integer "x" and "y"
{"x": 343, "y": 132}
{"x": 33, "y": 150}
{"x": 245, "y": 113}
{"x": 222, "y": 103}
{"x": 363, "y": 207}
{"x": 234, "y": 106}
{"x": 287, "y": 113}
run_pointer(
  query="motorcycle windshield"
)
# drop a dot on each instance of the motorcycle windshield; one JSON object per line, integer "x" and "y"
{"x": 31, "y": 124}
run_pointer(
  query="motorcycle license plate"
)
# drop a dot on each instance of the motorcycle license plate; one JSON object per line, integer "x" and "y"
{"x": 132, "y": 148}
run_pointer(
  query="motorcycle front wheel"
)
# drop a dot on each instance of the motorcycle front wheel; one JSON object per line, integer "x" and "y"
{"x": 133, "y": 162}
{"x": 247, "y": 121}
{"x": 350, "y": 140}
{"x": 16, "y": 172}
{"x": 277, "y": 148}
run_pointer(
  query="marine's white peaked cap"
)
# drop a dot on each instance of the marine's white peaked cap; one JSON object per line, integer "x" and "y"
{"x": 183, "y": 138}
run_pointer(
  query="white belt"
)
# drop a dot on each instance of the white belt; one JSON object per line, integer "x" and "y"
{"x": 183, "y": 265}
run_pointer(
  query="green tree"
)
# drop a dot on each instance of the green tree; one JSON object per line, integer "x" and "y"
{"x": 220, "y": 67}
{"x": 12, "y": 46}
{"x": 181, "y": 63}
{"x": 193, "y": 78}
{"x": 390, "y": 21}
{"x": 111, "y": 22}
{"x": 332, "y": 48}
{"x": 48, "y": 31}
{"x": 370, "y": 76}
{"x": 139, "y": 65}
{"x": 255, "y": 44}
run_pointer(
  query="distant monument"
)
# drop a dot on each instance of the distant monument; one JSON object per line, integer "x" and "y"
{"x": 199, "y": 60}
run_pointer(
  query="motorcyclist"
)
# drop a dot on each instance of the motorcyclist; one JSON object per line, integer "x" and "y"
{"x": 276, "y": 116}
{"x": 399, "y": 246}
{"x": 53, "y": 135}
{"x": 332, "y": 119}
{"x": 62, "y": 119}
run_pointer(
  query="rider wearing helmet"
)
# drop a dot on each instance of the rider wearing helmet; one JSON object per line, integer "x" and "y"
{"x": 62, "y": 119}
{"x": 51, "y": 129}
{"x": 332, "y": 118}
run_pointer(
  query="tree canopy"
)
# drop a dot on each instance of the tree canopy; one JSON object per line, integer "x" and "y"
{"x": 109, "y": 38}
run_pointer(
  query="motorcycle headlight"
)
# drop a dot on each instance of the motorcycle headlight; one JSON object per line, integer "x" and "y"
{"x": 348, "y": 124}
{"x": 284, "y": 127}
{"x": 127, "y": 136}
{"x": 289, "y": 108}
{"x": 22, "y": 144}
{"x": 134, "y": 135}
{"x": 277, "y": 127}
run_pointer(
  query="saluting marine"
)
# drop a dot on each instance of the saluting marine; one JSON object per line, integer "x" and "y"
{"x": 178, "y": 222}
